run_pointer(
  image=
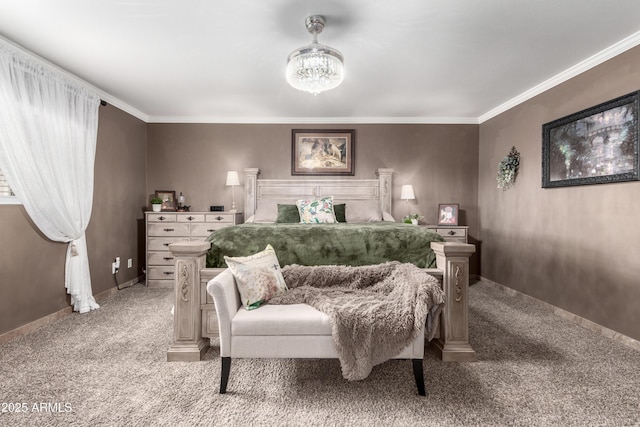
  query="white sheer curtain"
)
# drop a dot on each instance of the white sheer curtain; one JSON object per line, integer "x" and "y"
{"x": 48, "y": 137}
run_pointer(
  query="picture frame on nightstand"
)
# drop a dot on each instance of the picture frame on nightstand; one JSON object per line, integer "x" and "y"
{"x": 448, "y": 213}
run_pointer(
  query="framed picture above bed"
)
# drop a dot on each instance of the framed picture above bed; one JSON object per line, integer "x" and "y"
{"x": 593, "y": 146}
{"x": 448, "y": 214}
{"x": 322, "y": 152}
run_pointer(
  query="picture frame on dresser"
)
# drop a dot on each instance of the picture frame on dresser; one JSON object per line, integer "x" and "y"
{"x": 594, "y": 146}
{"x": 168, "y": 200}
{"x": 322, "y": 152}
{"x": 448, "y": 213}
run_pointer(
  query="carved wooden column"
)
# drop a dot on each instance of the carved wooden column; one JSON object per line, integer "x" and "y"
{"x": 385, "y": 176}
{"x": 453, "y": 259}
{"x": 250, "y": 189}
{"x": 188, "y": 344}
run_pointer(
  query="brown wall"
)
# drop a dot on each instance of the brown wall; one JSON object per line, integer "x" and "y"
{"x": 440, "y": 161}
{"x": 119, "y": 201}
{"x": 574, "y": 247}
{"x": 32, "y": 267}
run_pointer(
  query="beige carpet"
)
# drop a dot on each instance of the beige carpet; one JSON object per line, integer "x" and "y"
{"x": 108, "y": 368}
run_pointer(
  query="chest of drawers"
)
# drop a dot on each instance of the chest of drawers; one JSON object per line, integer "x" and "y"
{"x": 164, "y": 228}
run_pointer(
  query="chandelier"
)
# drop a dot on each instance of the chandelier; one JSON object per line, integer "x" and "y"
{"x": 315, "y": 68}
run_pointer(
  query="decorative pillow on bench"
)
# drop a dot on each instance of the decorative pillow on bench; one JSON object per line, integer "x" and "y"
{"x": 258, "y": 277}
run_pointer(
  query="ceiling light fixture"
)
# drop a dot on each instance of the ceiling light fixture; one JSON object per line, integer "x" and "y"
{"x": 315, "y": 68}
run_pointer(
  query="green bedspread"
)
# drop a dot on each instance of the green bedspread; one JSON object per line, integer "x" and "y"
{"x": 327, "y": 244}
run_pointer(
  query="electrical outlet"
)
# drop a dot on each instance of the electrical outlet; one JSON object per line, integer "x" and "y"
{"x": 114, "y": 268}
{"x": 117, "y": 262}
{"x": 129, "y": 263}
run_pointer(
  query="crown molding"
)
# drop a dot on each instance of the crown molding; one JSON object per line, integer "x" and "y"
{"x": 589, "y": 63}
{"x": 123, "y": 106}
{"x": 315, "y": 120}
{"x": 102, "y": 94}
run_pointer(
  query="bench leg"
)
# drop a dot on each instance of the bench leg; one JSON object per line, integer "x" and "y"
{"x": 224, "y": 374}
{"x": 419, "y": 376}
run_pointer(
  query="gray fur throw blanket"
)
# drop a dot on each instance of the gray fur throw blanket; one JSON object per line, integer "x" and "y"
{"x": 376, "y": 311}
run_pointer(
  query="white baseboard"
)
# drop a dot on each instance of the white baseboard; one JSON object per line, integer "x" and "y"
{"x": 53, "y": 317}
{"x": 581, "y": 321}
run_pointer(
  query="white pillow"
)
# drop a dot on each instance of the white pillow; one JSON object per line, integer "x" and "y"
{"x": 316, "y": 211}
{"x": 267, "y": 210}
{"x": 258, "y": 277}
{"x": 386, "y": 216}
{"x": 363, "y": 211}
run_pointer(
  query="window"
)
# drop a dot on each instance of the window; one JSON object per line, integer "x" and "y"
{"x": 5, "y": 190}
{"x": 6, "y": 195}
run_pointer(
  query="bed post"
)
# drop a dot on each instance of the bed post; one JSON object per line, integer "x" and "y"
{"x": 188, "y": 344}
{"x": 250, "y": 191}
{"x": 385, "y": 176}
{"x": 453, "y": 259}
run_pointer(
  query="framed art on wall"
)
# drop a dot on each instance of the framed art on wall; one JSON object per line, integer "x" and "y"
{"x": 448, "y": 214}
{"x": 593, "y": 146}
{"x": 168, "y": 199}
{"x": 322, "y": 152}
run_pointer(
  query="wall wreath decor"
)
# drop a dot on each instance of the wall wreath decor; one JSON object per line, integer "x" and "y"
{"x": 508, "y": 169}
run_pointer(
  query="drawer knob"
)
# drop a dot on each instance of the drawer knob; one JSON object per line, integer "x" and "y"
{"x": 169, "y": 229}
{"x": 211, "y": 231}
{"x": 219, "y": 218}
{"x": 451, "y": 233}
{"x": 165, "y": 244}
{"x": 167, "y": 258}
{"x": 190, "y": 218}
{"x": 168, "y": 273}
{"x": 161, "y": 218}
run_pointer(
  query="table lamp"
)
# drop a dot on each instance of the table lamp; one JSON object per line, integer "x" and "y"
{"x": 233, "y": 180}
{"x": 407, "y": 194}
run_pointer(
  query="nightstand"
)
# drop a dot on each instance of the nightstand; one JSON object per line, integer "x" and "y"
{"x": 451, "y": 233}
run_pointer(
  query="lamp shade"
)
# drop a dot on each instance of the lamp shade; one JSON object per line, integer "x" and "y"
{"x": 232, "y": 178}
{"x": 407, "y": 192}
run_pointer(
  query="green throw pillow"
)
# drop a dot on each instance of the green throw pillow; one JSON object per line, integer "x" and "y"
{"x": 339, "y": 210}
{"x": 288, "y": 214}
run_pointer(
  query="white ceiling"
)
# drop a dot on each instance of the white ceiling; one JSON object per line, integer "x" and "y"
{"x": 406, "y": 61}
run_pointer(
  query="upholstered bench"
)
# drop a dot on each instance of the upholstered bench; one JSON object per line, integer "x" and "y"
{"x": 281, "y": 331}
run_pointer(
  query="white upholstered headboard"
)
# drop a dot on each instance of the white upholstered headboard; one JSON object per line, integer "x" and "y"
{"x": 343, "y": 189}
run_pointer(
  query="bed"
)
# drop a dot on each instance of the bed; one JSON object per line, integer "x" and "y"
{"x": 354, "y": 244}
{"x": 368, "y": 205}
